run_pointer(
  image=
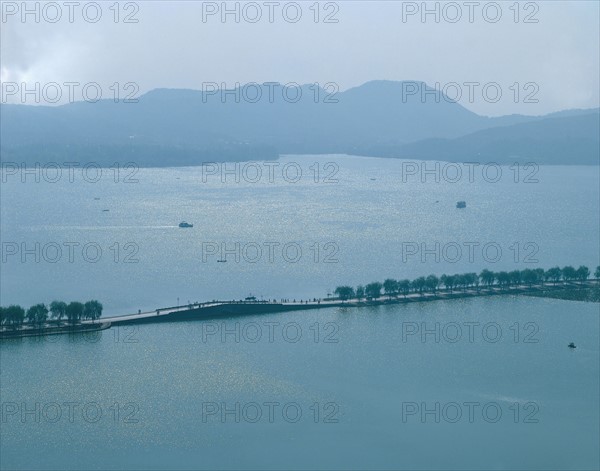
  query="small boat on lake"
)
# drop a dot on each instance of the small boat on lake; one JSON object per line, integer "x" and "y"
{"x": 184, "y": 224}
{"x": 461, "y": 204}
{"x": 221, "y": 260}
{"x": 572, "y": 345}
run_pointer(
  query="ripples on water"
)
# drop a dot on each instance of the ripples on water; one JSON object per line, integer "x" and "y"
{"x": 366, "y": 220}
{"x": 167, "y": 371}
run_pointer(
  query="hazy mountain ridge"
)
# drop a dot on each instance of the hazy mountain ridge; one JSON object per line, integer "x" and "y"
{"x": 572, "y": 140}
{"x": 186, "y": 127}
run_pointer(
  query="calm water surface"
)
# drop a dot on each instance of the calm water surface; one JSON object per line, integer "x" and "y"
{"x": 362, "y": 370}
{"x": 391, "y": 387}
{"x": 364, "y": 221}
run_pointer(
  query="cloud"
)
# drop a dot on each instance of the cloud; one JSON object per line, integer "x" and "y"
{"x": 171, "y": 46}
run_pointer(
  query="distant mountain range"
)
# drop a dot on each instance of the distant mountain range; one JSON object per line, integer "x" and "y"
{"x": 572, "y": 140}
{"x": 186, "y": 127}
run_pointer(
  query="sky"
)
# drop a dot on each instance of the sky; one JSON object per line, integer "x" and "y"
{"x": 495, "y": 58}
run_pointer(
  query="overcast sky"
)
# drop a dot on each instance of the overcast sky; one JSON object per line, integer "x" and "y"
{"x": 551, "y": 46}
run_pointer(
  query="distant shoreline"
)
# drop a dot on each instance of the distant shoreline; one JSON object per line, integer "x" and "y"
{"x": 394, "y": 119}
{"x": 175, "y": 165}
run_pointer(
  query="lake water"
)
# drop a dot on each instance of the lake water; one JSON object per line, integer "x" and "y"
{"x": 467, "y": 384}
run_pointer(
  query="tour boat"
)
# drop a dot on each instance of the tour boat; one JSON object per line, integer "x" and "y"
{"x": 185, "y": 224}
